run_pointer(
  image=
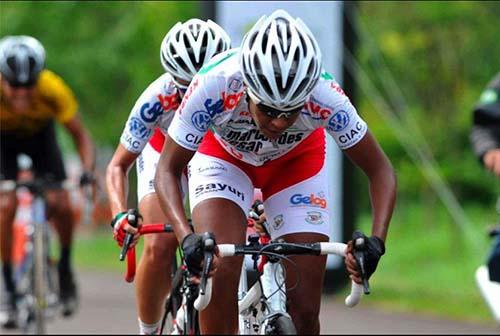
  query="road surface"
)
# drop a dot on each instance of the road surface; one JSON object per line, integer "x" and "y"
{"x": 107, "y": 307}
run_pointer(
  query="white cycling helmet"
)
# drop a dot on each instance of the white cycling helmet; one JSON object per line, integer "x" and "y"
{"x": 280, "y": 61}
{"x": 188, "y": 46}
{"x": 22, "y": 58}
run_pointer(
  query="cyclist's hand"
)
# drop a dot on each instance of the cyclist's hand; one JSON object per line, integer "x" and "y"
{"x": 121, "y": 227}
{"x": 195, "y": 279}
{"x": 374, "y": 250}
{"x": 193, "y": 253}
{"x": 258, "y": 216}
{"x": 87, "y": 178}
{"x": 88, "y": 186}
{"x": 492, "y": 161}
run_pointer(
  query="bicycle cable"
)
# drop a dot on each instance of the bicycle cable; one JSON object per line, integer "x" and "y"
{"x": 281, "y": 258}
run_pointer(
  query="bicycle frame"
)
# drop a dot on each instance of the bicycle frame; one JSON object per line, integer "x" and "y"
{"x": 35, "y": 271}
{"x": 268, "y": 291}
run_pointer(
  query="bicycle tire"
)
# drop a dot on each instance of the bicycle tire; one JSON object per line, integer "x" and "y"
{"x": 39, "y": 280}
{"x": 173, "y": 301}
{"x": 281, "y": 325}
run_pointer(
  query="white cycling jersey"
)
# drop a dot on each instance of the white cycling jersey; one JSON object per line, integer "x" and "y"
{"x": 216, "y": 100}
{"x": 154, "y": 109}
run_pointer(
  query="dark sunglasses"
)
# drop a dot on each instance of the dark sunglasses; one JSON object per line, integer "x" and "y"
{"x": 18, "y": 85}
{"x": 275, "y": 114}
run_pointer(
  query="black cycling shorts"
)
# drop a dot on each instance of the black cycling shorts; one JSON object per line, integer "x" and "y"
{"x": 43, "y": 149}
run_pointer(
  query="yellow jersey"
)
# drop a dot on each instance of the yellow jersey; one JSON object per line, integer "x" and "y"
{"x": 52, "y": 99}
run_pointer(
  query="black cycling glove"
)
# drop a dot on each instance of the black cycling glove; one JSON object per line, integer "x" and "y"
{"x": 86, "y": 178}
{"x": 193, "y": 253}
{"x": 373, "y": 250}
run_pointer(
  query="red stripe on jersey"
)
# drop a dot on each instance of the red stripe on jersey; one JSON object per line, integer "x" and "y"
{"x": 301, "y": 163}
{"x": 157, "y": 140}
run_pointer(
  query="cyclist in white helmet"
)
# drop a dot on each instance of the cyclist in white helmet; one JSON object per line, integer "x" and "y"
{"x": 263, "y": 111}
{"x": 184, "y": 50}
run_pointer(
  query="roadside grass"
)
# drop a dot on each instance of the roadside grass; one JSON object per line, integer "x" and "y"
{"x": 428, "y": 267}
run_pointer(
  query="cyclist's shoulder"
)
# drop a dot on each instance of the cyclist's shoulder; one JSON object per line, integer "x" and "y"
{"x": 51, "y": 84}
{"x": 326, "y": 98}
{"x": 223, "y": 64}
{"x": 162, "y": 89}
{"x": 487, "y": 108}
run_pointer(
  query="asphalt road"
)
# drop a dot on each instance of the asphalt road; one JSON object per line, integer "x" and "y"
{"x": 107, "y": 307}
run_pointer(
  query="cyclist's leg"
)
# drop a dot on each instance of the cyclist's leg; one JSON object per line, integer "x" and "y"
{"x": 308, "y": 273}
{"x": 153, "y": 278}
{"x": 48, "y": 163}
{"x": 220, "y": 196}
{"x": 8, "y": 206}
{"x": 298, "y": 212}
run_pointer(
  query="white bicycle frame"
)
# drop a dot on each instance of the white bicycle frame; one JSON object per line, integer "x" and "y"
{"x": 275, "y": 302}
{"x": 273, "y": 284}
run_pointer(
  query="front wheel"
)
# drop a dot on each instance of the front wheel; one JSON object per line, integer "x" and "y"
{"x": 281, "y": 325}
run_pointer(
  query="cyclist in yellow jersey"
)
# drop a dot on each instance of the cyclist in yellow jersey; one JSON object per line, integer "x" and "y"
{"x": 31, "y": 99}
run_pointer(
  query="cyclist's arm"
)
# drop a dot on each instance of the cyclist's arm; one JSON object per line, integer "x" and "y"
{"x": 200, "y": 105}
{"x": 173, "y": 160}
{"x": 82, "y": 141}
{"x": 116, "y": 178}
{"x": 368, "y": 155}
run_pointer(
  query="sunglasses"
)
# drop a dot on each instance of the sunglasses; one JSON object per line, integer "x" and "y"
{"x": 18, "y": 85}
{"x": 275, "y": 114}
{"x": 271, "y": 112}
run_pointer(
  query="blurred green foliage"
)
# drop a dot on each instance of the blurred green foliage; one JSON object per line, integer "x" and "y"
{"x": 441, "y": 55}
{"x": 107, "y": 51}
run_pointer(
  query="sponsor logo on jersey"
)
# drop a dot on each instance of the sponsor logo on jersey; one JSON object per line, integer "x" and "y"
{"x": 131, "y": 143}
{"x": 211, "y": 169}
{"x": 182, "y": 140}
{"x": 138, "y": 129}
{"x": 215, "y": 187}
{"x": 253, "y": 140}
{"x": 151, "y": 185}
{"x": 336, "y": 87}
{"x": 201, "y": 119}
{"x": 193, "y": 138}
{"x": 312, "y": 200}
{"x": 235, "y": 85}
{"x": 140, "y": 163}
{"x": 339, "y": 121}
{"x": 189, "y": 92}
{"x": 278, "y": 222}
{"x": 231, "y": 100}
{"x": 317, "y": 111}
{"x": 352, "y": 134}
{"x": 314, "y": 218}
{"x": 151, "y": 113}
{"x": 169, "y": 102}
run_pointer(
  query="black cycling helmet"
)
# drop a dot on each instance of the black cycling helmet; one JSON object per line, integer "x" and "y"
{"x": 22, "y": 58}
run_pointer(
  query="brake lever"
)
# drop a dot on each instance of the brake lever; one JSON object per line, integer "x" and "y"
{"x": 358, "y": 251}
{"x": 208, "y": 242}
{"x": 133, "y": 220}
